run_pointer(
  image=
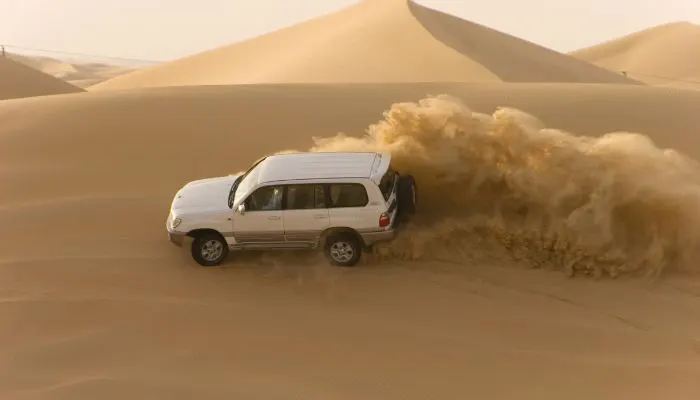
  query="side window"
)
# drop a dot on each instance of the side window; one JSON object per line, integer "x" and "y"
{"x": 266, "y": 198}
{"x": 348, "y": 195}
{"x": 305, "y": 197}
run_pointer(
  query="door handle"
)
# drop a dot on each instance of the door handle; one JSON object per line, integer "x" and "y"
{"x": 320, "y": 216}
{"x": 274, "y": 218}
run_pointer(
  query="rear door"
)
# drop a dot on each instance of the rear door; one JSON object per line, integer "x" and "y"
{"x": 305, "y": 214}
{"x": 348, "y": 204}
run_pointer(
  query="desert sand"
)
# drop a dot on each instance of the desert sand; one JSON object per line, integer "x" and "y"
{"x": 18, "y": 80}
{"x": 662, "y": 55}
{"x": 96, "y": 303}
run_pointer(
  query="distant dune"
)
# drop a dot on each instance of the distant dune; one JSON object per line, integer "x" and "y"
{"x": 372, "y": 41}
{"x": 18, "y": 80}
{"x": 664, "y": 55}
{"x": 78, "y": 74}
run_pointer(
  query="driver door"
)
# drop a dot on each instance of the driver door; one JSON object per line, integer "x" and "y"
{"x": 261, "y": 225}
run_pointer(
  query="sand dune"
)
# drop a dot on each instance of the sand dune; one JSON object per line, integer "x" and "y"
{"x": 372, "y": 41}
{"x": 81, "y": 75}
{"x": 662, "y": 55}
{"x": 18, "y": 80}
{"x": 108, "y": 308}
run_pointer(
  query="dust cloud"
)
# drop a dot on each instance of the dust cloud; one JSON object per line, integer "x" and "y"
{"x": 505, "y": 185}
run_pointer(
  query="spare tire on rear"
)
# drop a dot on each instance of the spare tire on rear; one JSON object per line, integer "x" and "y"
{"x": 407, "y": 195}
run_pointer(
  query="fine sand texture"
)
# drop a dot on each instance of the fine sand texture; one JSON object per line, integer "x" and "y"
{"x": 81, "y": 75}
{"x": 664, "y": 55}
{"x": 95, "y": 303}
{"x": 18, "y": 80}
{"x": 373, "y": 41}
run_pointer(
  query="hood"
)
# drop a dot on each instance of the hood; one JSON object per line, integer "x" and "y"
{"x": 204, "y": 194}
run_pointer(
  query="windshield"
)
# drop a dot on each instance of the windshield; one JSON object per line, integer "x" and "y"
{"x": 242, "y": 184}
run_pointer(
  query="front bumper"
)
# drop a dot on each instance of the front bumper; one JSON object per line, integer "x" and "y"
{"x": 177, "y": 238}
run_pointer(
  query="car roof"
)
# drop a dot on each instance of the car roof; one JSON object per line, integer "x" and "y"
{"x": 322, "y": 165}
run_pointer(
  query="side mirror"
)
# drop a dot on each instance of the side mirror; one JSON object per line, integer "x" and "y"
{"x": 241, "y": 209}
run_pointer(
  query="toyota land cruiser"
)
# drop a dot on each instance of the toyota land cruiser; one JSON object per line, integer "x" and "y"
{"x": 343, "y": 202}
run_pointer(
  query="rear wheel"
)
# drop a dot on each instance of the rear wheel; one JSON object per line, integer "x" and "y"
{"x": 209, "y": 249}
{"x": 343, "y": 250}
{"x": 407, "y": 195}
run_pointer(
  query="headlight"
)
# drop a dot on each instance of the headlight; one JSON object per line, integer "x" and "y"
{"x": 176, "y": 222}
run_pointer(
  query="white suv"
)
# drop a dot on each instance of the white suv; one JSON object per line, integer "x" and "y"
{"x": 343, "y": 202}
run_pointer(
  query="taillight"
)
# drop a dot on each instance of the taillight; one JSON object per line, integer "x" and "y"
{"x": 384, "y": 220}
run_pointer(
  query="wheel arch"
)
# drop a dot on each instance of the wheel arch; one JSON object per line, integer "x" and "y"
{"x": 341, "y": 230}
{"x": 199, "y": 232}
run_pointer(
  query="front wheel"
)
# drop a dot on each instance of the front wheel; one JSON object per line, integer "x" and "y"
{"x": 343, "y": 250}
{"x": 209, "y": 249}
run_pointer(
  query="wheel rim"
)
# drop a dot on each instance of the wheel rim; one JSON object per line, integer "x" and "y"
{"x": 342, "y": 252}
{"x": 212, "y": 250}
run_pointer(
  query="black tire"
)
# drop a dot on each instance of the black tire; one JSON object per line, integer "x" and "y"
{"x": 209, "y": 249}
{"x": 343, "y": 249}
{"x": 407, "y": 195}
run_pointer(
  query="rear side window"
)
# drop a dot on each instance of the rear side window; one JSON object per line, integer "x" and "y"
{"x": 386, "y": 185}
{"x": 347, "y": 195}
{"x": 305, "y": 197}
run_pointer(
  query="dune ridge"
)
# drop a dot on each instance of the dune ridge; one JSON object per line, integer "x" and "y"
{"x": 373, "y": 41}
{"x": 18, "y": 80}
{"x": 661, "y": 55}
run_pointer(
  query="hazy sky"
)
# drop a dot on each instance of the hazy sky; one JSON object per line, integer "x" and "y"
{"x": 167, "y": 29}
